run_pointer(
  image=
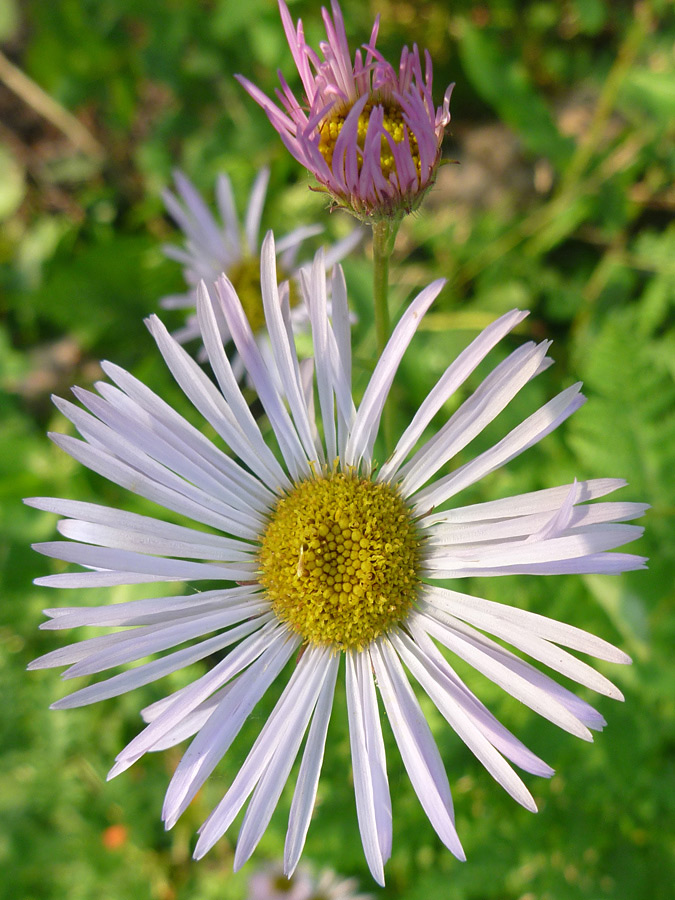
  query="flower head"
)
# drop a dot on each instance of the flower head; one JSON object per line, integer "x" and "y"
{"x": 270, "y": 883}
{"x": 339, "y": 564}
{"x": 214, "y": 247}
{"x": 368, "y": 132}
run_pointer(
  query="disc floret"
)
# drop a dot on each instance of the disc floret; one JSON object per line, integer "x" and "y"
{"x": 245, "y": 278}
{"x": 340, "y": 560}
{"x": 394, "y": 128}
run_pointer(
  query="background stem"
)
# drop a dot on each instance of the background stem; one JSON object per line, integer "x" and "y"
{"x": 381, "y": 254}
{"x": 384, "y": 235}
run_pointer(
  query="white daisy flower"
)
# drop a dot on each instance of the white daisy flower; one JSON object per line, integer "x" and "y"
{"x": 214, "y": 247}
{"x": 270, "y": 883}
{"x": 330, "y": 886}
{"x": 339, "y": 564}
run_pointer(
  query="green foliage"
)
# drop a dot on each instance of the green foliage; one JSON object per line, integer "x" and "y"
{"x": 502, "y": 81}
{"x": 562, "y": 202}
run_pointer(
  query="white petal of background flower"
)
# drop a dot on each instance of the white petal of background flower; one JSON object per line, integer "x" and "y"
{"x": 214, "y": 248}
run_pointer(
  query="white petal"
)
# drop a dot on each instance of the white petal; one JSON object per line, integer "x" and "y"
{"x": 279, "y": 732}
{"x": 206, "y": 231}
{"x": 376, "y": 753}
{"x": 269, "y": 636}
{"x": 108, "y": 650}
{"x": 533, "y": 429}
{"x": 306, "y": 374}
{"x": 228, "y": 383}
{"x": 120, "y": 520}
{"x": 192, "y": 722}
{"x": 195, "y": 545}
{"x": 158, "y": 668}
{"x": 210, "y": 402}
{"x": 177, "y": 254}
{"x": 275, "y": 774}
{"x": 509, "y": 558}
{"x": 499, "y": 736}
{"x": 452, "y": 534}
{"x": 149, "y": 639}
{"x": 189, "y": 435}
{"x": 203, "y": 239}
{"x": 153, "y": 568}
{"x": 343, "y": 248}
{"x": 366, "y": 424}
{"x": 260, "y": 377}
{"x": 366, "y": 762}
{"x": 431, "y": 680}
{"x": 416, "y": 744}
{"x": 559, "y": 522}
{"x": 288, "y": 245}
{"x": 343, "y": 368}
{"x": 535, "y": 502}
{"x": 454, "y": 376}
{"x": 283, "y": 349}
{"x": 165, "y": 444}
{"x": 516, "y": 677}
{"x": 306, "y": 786}
{"x": 317, "y": 303}
{"x": 228, "y": 213}
{"x": 464, "y": 605}
{"x": 213, "y": 741}
{"x": 120, "y": 448}
{"x": 255, "y": 208}
{"x": 534, "y": 646}
{"x": 330, "y": 364}
{"x": 484, "y": 405}
{"x": 148, "y": 611}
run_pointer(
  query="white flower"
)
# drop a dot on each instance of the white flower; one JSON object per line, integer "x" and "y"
{"x": 215, "y": 247}
{"x": 334, "y": 557}
{"x": 270, "y": 883}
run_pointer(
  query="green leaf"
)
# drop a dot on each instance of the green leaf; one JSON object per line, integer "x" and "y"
{"x": 9, "y": 19}
{"x": 503, "y": 81}
{"x": 12, "y": 184}
{"x": 653, "y": 92}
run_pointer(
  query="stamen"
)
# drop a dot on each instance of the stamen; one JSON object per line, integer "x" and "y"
{"x": 245, "y": 277}
{"x": 340, "y": 559}
{"x": 393, "y": 123}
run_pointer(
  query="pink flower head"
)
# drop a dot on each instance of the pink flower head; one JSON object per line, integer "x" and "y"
{"x": 368, "y": 132}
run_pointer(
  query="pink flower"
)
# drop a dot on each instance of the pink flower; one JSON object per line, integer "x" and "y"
{"x": 368, "y": 132}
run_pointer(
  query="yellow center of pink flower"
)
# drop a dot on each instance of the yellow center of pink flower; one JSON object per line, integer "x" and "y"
{"x": 340, "y": 560}
{"x": 393, "y": 123}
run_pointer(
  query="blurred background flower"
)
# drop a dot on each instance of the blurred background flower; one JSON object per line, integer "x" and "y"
{"x": 219, "y": 244}
{"x": 270, "y": 883}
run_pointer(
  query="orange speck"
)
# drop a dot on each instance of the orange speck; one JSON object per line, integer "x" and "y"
{"x": 114, "y": 837}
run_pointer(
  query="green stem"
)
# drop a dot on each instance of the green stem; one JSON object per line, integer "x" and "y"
{"x": 381, "y": 285}
{"x": 384, "y": 235}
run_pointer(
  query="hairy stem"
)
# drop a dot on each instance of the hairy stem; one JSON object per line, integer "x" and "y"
{"x": 384, "y": 235}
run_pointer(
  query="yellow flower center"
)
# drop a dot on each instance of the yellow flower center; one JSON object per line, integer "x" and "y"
{"x": 340, "y": 558}
{"x": 245, "y": 277}
{"x": 283, "y": 885}
{"x": 393, "y": 123}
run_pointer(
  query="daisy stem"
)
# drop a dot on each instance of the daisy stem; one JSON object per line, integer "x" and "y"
{"x": 384, "y": 235}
